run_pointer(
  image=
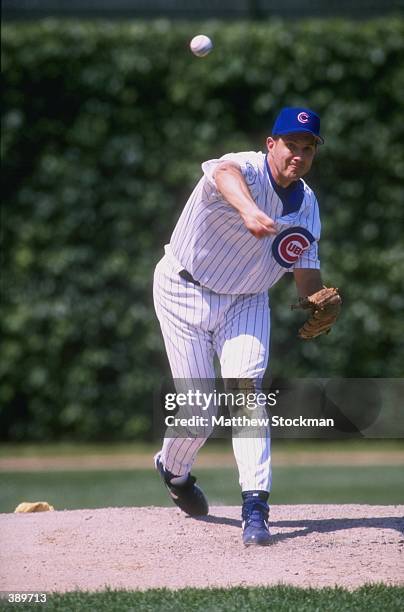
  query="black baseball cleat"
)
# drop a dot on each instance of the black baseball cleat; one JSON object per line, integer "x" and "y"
{"x": 255, "y": 518}
{"x": 188, "y": 496}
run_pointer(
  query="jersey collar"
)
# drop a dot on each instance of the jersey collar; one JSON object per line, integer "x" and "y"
{"x": 291, "y": 196}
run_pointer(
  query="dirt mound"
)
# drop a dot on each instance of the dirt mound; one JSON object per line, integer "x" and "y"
{"x": 142, "y": 548}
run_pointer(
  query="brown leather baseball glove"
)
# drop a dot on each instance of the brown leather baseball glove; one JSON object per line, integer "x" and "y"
{"x": 325, "y": 306}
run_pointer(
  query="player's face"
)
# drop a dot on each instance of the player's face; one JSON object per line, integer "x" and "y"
{"x": 291, "y": 156}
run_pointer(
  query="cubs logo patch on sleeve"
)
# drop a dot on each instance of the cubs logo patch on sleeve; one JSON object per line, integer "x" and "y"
{"x": 250, "y": 174}
{"x": 290, "y": 244}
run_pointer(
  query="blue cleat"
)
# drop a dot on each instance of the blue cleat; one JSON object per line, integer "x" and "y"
{"x": 255, "y": 518}
{"x": 188, "y": 496}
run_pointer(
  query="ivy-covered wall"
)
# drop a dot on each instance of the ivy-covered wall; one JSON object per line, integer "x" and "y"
{"x": 104, "y": 129}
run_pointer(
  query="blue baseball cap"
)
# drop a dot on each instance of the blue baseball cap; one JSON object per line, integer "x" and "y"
{"x": 297, "y": 119}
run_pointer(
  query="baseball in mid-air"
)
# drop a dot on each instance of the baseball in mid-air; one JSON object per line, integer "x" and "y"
{"x": 201, "y": 45}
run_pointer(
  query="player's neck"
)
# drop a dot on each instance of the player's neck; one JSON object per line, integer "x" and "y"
{"x": 280, "y": 180}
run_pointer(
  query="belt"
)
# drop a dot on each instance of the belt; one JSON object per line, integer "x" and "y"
{"x": 188, "y": 277}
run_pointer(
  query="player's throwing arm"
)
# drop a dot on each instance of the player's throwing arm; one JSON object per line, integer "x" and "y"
{"x": 232, "y": 186}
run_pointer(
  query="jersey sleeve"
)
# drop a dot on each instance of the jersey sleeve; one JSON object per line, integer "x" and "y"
{"x": 308, "y": 259}
{"x": 249, "y": 163}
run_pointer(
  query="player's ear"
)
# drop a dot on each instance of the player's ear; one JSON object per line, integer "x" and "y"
{"x": 270, "y": 143}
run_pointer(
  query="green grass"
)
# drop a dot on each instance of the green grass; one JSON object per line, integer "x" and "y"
{"x": 291, "y": 485}
{"x": 74, "y": 449}
{"x": 68, "y": 449}
{"x": 372, "y": 598}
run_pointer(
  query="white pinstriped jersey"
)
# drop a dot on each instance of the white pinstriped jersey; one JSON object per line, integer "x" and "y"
{"x": 212, "y": 243}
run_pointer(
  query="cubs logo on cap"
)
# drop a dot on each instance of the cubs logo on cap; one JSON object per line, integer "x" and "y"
{"x": 303, "y": 117}
{"x": 289, "y": 245}
{"x": 293, "y": 119}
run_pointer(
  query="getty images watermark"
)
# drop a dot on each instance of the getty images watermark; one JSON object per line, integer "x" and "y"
{"x": 327, "y": 408}
{"x": 195, "y": 402}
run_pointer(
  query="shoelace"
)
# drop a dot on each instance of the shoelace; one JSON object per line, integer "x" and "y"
{"x": 255, "y": 513}
{"x": 187, "y": 484}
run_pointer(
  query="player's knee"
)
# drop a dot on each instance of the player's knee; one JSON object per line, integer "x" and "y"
{"x": 242, "y": 394}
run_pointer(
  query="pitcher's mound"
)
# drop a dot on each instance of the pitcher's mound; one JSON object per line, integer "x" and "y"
{"x": 143, "y": 548}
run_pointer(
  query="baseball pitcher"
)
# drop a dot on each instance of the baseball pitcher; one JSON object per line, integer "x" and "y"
{"x": 250, "y": 219}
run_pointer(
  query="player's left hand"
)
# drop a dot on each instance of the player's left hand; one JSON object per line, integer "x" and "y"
{"x": 325, "y": 306}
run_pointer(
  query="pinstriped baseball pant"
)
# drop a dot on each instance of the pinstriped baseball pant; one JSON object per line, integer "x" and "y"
{"x": 196, "y": 323}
